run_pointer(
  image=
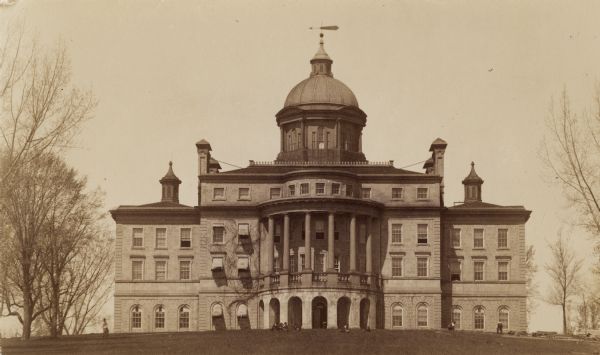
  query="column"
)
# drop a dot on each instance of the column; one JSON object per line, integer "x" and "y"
{"x": 331, "y": 314}
{"x": 353, "y": 243}
{"x": 330, "y": 242}
{"x": 307, "y": 234}
{"x": 286, "y": 242}
{"x": 270, "y": 229}
{"x": 368, "y": 247}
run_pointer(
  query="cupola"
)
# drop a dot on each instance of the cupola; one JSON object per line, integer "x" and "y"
{"x": 170, "y": 186}
{"x": 472, "y": 186}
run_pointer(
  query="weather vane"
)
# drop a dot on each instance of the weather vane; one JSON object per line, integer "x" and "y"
{"x": 321, "y": 28}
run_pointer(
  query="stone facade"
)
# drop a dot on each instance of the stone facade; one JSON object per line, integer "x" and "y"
{"x": 319, "y": 238}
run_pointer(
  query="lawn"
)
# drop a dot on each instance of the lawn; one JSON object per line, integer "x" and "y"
{"x": 303, "y": 342}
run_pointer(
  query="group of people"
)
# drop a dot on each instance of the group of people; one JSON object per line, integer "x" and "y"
{"x": 499, "y": 327}
{"x": 283, "y": 326}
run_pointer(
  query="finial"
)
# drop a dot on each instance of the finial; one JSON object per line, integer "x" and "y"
{"x": 472, "y": 165}
{"x": 170, "y": 163}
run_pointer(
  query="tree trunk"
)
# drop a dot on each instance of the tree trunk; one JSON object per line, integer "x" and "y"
{"x": 27, "y": 312}
{"x": 564, "y": 312}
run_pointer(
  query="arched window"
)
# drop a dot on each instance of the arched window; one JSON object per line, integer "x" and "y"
{"x": 159, "y": 317}
{"x": 136, "y": 317}
{"x": 456, "y": 315}
{"x": 479, "y": 317}
{"x": 503, "y": 317}
{"x": 422, "y": 319}
{"x": 396, "y": 316}
{"x": 184, "y": 317}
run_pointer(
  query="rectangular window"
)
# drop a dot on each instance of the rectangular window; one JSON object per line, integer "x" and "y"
{"x": 422, "y": 193}
{"x": 276, "y": 264}
{"x": 478, "y": 238}
{"x": 502, "y": 238}
{"x": 277, "y": 233}
{"x": 320, "y": 188}
{"x": 161, "y": 237}
{"x": 293, "y": 264}
{"x": 422, "y": 233}
{"x": 218, "y": 193}
{"x": 503, "y": 271}
{"x": 349, "y": 191}
{"x": 335, "y": 189}
{"x": 319, "y": 229}
{"x": 244, "y": 193}
{"x": 478, "y": 267}
{"x": 292, "y": 190}
{"x": 320, "y": 263}
{"x": 455, "y": 270}
{"x": 336, "y": 263}
{"x": 160, "y": 270}
{"x": 396, "y": 233}
{"x": 137, "y": 269}
{"x": 396, "y": 266}
{"x": 304, "y": 189}
{"x": 185, "y": 238}
{"x": 275, "y": 192}
{"x": 137, "y": 238}
{"x": 397, "y": 193}
{"x": 422, "y": 266}
{"x": 365, "y": 192}
{"x": 243, "y": 229}
{"x": 303, "y": 261}
{"x": 456, "y": 238}
{"x": 185, "y": 269}
{"x": 218, "y": 235}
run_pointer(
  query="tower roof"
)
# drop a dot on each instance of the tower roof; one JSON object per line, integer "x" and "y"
{"x": 170, "y": 176}
{"x": 472, "y": 178}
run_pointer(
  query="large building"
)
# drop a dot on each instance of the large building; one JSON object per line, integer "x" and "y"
{"x": 320, "y": 237}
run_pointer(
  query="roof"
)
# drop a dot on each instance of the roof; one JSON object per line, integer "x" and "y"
{"x": 472, "y": 178}
{"x": 162, "y": 204}
{"x": 321, "y": 54}
{"x": 321, "y": 89}
{"x": 478, "y": 207}
{"x": 438, "y": 143}
{"x": 203, "y": 144}
{"x": 357, "y": 169}
{"x": 170, "y": 175}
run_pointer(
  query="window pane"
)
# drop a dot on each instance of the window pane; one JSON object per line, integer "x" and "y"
{"x": 138, "y": 237}
{"x": 185, "y": 269}
{"x": 275, "y": 192}
{"x": 396, "y": 266}
{"x": 396, "y": 233}
{"x": 397, "y": 193}
{"x": 366, "y": 193}
{"x": 396, "y": 316}
{"x": 335, "y": 189}
{"x": 292, "y": 190}
{"x": 456, "y": 313}
{"x": 422, "y": 234}
{"x": 161, "y": 237}
{"x": 422, "y": 193}
{"x": 479, "y": 318}
{"x": 185, "y": 238}
{"x": 293, "y": 263}
{"x": 422, "y": 316}
{"x": 218, "y": 234}
{"x": 422, "y": 267}
{"x": 320, "y": 188}
{"x": 503, "y": 318}
{"x": 218, "y": 193}
{"x": 349, "y": 191}
{"x": 455, "y": 271}
{"x": 502, "y": 238}
{"x": 184, "y": 318}
{"x": 303, "y": 189}
{"x": 137, "y": 272}
{"x": 456, "y": 238}
{"x": 478, "y": 238}
{"x": 159, "y": 318}
{"x": 161, "y": 270}
{"x": 136, "y": 318}
{"x": 503, "y": 271}
{"x": 244, "y": 193}
{"x": 478, "y": 267}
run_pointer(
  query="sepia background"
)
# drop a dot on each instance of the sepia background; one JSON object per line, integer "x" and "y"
{"x": 479, "y": 74}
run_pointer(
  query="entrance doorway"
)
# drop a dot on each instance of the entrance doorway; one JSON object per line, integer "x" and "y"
{"x": 364, "y": 313}
{"x": 319, "y": 313}
{"x": 295, "y": 313}
{"x": 343, "y": 312}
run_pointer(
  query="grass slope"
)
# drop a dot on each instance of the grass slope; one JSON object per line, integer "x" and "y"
{"x": 304, "y": 342}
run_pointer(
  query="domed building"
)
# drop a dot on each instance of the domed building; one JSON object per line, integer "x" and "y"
{"x": 320, "y": 237}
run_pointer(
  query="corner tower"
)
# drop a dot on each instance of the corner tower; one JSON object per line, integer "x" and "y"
{"x": 320, "y": 120}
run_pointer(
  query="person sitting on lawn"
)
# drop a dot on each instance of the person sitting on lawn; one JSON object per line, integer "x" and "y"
{"x": 104, "y": 328}
{"x": 285, "y": 326}
{"x": 274, "y": 327}
{"x": 499, "y": 328}
{"x": 451, "y": 325}
{"x": 346, "y": 329}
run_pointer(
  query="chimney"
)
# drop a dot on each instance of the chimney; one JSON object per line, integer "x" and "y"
{"x": 437, "y": 149}
{"x": 204, "y": 149}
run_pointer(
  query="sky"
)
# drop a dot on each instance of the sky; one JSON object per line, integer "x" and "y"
{"x": 479, "y": 74}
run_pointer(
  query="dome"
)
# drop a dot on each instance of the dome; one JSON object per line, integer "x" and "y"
{"x": 321, "y": 89}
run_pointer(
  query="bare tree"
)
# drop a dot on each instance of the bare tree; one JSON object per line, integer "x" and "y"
{"x": 572, "y": 154}
{"x": 564, "y": 271}
{"x": 40, "y": 109}
{"x": 532, "y": 286}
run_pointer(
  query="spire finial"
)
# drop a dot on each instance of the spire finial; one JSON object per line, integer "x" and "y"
{"x": 472, "y": 165}
{"x": 170, "y": 163}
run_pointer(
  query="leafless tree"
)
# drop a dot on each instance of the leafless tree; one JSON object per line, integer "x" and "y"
{"x": 564, "y": 271}
{"x": 572, "y": 154}
{"x": 40, "y": 109}
{"x": 532, "y": 286}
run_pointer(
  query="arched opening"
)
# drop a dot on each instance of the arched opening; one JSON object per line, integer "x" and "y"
{"x": 343, "y": 312}
{"x": 365, "y": 306}
{"x": 319, "y": 313}
{"x": 261, "y": 315}
{"x": 273, "y": 311}
{"x": 184, "y": 317}
{"x": 159, "y": 317}
{"x": 397, "y": 316}
{"x": 479, "y": 318}
{"x": 241, "y": 315}
{"x": 136, "y": 318}
{"x": 503, "y": 317}
{"x": 295, "y": 313}
{"x": 217, "y": 317}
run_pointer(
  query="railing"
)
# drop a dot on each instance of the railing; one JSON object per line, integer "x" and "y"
{"x": 389, "y": 163}
{"x": 319, "y": 277}
{"x": 344, "y": 278}
{"x": 295, "y": 279}
{"x": 364, "y": 280}
{"x": 274, "y": 280}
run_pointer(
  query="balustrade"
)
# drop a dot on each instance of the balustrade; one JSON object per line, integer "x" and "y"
{"x": 320, "y": 277}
